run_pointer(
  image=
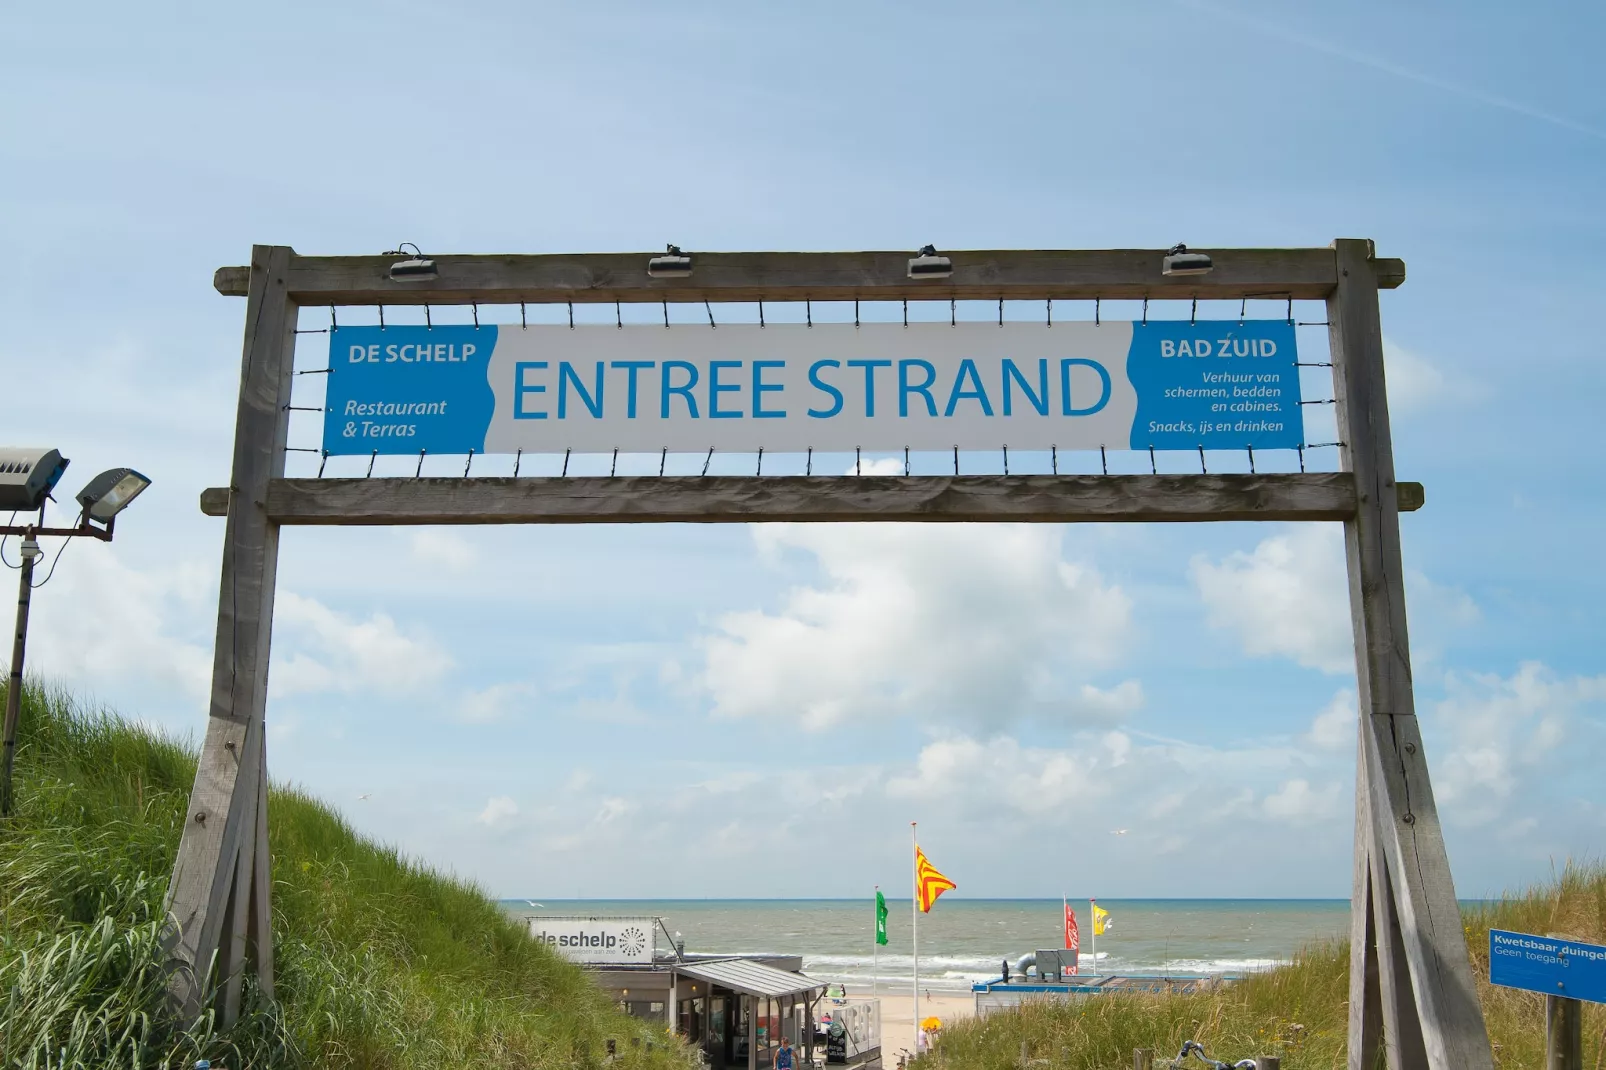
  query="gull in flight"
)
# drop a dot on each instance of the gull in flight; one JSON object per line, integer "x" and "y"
{"x": 1118, "y": 832}
{"x": 365, "y": 795}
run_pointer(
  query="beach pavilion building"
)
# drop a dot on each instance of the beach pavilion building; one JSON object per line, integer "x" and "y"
{"x": 736, "y": 1008}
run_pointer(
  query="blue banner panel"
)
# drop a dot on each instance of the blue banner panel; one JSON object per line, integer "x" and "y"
{"x": 1546, "y": 964}
{"x": 1220, "y": 385}
{"x": 405, "y": 389}
{"x": 1168, "y": 385}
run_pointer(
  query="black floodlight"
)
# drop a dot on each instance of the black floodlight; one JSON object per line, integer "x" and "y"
{"x": 929, "y": 264}
{"x": 415, "y": 267}
{"x": 27, "y": 477}
{"x": 1181, "y": 262}
{"x": 110, "y": 492}
{"x": 674, "y": 264}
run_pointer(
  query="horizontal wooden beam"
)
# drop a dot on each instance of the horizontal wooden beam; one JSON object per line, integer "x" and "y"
{"x": 814, "y": 499}
{"x": 1017, "y": 275}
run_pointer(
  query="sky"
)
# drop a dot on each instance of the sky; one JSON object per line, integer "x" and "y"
{"x": 729, "y": 711}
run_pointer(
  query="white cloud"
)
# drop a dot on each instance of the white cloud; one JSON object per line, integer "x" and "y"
{"x": 491, "y": 703}
{"x": 1503, "y": 731}
{"x": 1335, "y": 727}
{"x": 437, "y": 548}
{"x": 1416, "y": 383}
{"x": 981, "y": 623}
{"x": 1099, "y": 772}
{"x": 331, "y": 651}
{"x": 498, "y": 810}
{"x": 103, "y": 621}
{"x": 1296, "y": 802}
{"x": 1440, "y": 604}
{"x": 1002, "y": 772}
{"x": 1288, "y": 597}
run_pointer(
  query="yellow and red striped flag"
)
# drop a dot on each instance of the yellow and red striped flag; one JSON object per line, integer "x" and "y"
{"x": 929, "y": 884}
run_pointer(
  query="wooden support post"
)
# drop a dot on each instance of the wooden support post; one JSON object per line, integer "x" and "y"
{"x": 1403, "y": 1043}
{"x": 1269, "y": 1062}
{"x": 808, "y": 1028}
{"x": 1394, "y": 774}
{"x": 1142, "y": 1059}
{"x": 1365, "y": 1024}
{"x": 231, "y": 952}
{"x": 1564, "y": 1033}
{"x": 259, "y": 932}
{"x": 221, "y": 855}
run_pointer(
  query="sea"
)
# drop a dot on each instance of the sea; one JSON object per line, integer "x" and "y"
{"x": 963, "y": 941}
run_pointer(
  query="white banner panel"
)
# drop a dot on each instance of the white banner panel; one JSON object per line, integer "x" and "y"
{"x": 832, "y": 387}
{"x": 630, "y": 941}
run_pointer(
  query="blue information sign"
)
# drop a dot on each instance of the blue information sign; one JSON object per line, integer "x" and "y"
{"x": 1546, "y": 964}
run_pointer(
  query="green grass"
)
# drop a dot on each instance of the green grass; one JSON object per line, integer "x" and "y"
{"x": 380, "y": 962}
{"x": 1298, "y": 1012}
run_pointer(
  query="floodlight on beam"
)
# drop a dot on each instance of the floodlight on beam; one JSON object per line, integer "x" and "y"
{"x": 1181, "y": 262}
{"x": 415, "y": 267}
{"x": 930, "y": 264}
{"x": 27, "y": 476}
{"x": 674, "y": 264}
{"x": 110, "y": 492}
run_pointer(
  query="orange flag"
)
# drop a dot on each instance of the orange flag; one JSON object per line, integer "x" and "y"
{"x": 929, "y": 884}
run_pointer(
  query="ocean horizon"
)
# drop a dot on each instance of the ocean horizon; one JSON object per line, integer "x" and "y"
{"x": 966, "y": 940}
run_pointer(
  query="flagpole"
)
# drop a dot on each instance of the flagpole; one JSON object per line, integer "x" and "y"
{"x": 914, "y": 943}
{"x": 875, "y": 948}
{"x": 1093, "y": 920}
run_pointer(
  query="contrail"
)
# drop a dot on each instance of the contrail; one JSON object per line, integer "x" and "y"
{"x": 1469, "y": 92}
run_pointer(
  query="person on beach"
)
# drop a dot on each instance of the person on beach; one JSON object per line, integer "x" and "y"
{"x": 783, "y": 1057}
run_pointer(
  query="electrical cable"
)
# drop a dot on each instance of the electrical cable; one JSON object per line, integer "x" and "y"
{"x": 3, "y": 539}
{"x": 54, "y": 561}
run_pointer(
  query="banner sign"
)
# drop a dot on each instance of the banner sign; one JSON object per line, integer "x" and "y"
{"x": 833, "y": 387}
{"x": 598, "y": 940}
{"x": 1547, "y": 964}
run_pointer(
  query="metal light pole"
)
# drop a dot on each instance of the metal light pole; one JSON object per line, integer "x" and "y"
{"x": 26, "y": 478}
{"x": 19, "y": 643}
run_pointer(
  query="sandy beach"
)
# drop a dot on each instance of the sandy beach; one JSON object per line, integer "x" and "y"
{"x": 897, "y": 1013}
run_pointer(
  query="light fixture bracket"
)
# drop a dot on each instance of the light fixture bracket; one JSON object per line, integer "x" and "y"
{"x": 674, "y": 264}
{"x": 414, "y": 267}
{"x": 930, "y": 264}
{"x": 1181, "y": 262}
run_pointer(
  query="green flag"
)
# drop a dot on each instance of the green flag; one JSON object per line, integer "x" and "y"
{"x": 880, "y": 918}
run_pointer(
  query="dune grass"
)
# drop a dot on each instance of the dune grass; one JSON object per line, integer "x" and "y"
{"x": 1297, "y": 1012}
{"x": 380, "y": 963}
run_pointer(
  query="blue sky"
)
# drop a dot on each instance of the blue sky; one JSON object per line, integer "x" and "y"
{"x": 628, "y": 711}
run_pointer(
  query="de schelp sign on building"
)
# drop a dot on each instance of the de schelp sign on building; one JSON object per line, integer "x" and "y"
{"x": 599, "y": 941}
{"x": 1168, "y": 384}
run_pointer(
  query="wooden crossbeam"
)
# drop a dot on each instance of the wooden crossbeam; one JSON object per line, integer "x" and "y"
{"x": 1016, "y": 275}
{"x": 746, "y": 499}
